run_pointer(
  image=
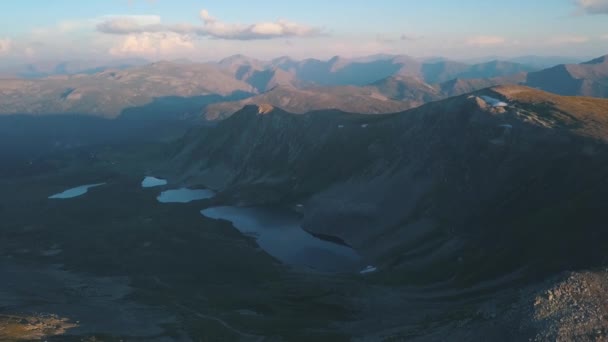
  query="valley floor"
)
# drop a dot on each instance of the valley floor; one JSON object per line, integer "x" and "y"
{"x": 116, "y": 265}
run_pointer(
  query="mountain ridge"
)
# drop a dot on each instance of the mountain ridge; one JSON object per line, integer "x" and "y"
{"x": 458, "y": 158}
{"x": 588, "y": 78}
{"x": 374, "y": 82}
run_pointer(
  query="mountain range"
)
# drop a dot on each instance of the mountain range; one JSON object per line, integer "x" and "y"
{"x": 481, "y": 215}
{"x": 588, "y": 79}
{"x": 112, "y": 92}
{"x": 372, "y": 85}
{"x": 53, "y": 68}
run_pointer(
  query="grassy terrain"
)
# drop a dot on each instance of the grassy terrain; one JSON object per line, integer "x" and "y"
{"x": 215, "y": 283}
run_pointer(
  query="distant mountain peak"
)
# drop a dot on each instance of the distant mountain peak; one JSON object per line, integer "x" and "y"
{"x": 335, "y": 58}
{"x": 283, "y": 59}
{"x": 599, "y": 60}
{"x": 237, "y": 59}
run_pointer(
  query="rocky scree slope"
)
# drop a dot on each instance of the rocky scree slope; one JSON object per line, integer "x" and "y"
{"x": 456, "y": 190}
{"x": 363, "y": 100}
{"x": 162, "y": 86}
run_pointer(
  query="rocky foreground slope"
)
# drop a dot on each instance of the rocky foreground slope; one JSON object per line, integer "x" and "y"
{"x": 458, "y": 190}
{"x": 494, "y": 190}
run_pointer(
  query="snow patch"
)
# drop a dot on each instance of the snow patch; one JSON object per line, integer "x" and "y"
{"x": 368, "y": 269}
{"x": 494, "y": 102}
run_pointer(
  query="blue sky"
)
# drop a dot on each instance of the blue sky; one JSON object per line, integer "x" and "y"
{"x": 159, "y": 29}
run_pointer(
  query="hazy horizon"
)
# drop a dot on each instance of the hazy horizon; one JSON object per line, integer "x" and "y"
{"x": 199, "y": 31}
{"x": 133, "y": 61}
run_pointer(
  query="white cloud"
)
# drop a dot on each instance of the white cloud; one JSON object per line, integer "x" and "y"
{"x": 211, "y": 27}
{"x": 392, "y": 39}
{"x": 567, "y": 39}
{"x": 152, "y": 45}
{"x": 5, "y": 46}
{"x": 140, "y": 19}
{"x": 593, "y": 6}
{"x": 206, "y": 17}
{"x": 485, "y": 40}
{"x": 604, "y": 37}
{"x": 132, "y": 2}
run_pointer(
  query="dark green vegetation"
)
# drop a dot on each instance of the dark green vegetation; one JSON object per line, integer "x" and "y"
{"x": 25, "y": 138}
{"x": 205, "y": 280}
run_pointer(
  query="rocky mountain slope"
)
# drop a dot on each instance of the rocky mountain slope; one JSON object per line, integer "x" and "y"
{"x": 460, "y": 190}
{"x": 363, "y": 71}
{"x": 405, "y": 88}
{"x": 587, "y": 79}
{"x": 387, "y": 96}
{"x": 482, "y": 213}
{"x": 70, "y": 67}
{"x": 258, "y": 74}
{"x": 414, "y": 83}
{"x": 111, "y": 92}
{"x": 374, "y": 84}
{"x": 459, "y": 86}
{"x": 446, "y": 70}
{"x": 543, "y": 62}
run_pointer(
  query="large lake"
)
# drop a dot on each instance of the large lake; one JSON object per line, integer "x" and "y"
{"x": 278, "y": 232}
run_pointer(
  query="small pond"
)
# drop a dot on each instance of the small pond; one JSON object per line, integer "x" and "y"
{"x": 75, "y": 192}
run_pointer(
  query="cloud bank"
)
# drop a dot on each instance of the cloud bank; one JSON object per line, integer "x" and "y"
{"x": 485, "y": 41}
{"x": 567, "y": 39}
{"x": 152, "y": 44}
{"x": 211, "y": 27}
{"x": 593, "y": 6}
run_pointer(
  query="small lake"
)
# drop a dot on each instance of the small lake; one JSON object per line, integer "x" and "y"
{"x": 184, "y": 195}
{"x": 150, "y": 182}
{"x": 278, "y": 232}
{"x": 75, "y": 192}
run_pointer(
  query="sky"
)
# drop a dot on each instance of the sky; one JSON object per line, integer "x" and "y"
{"x": 33, "y": 30}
